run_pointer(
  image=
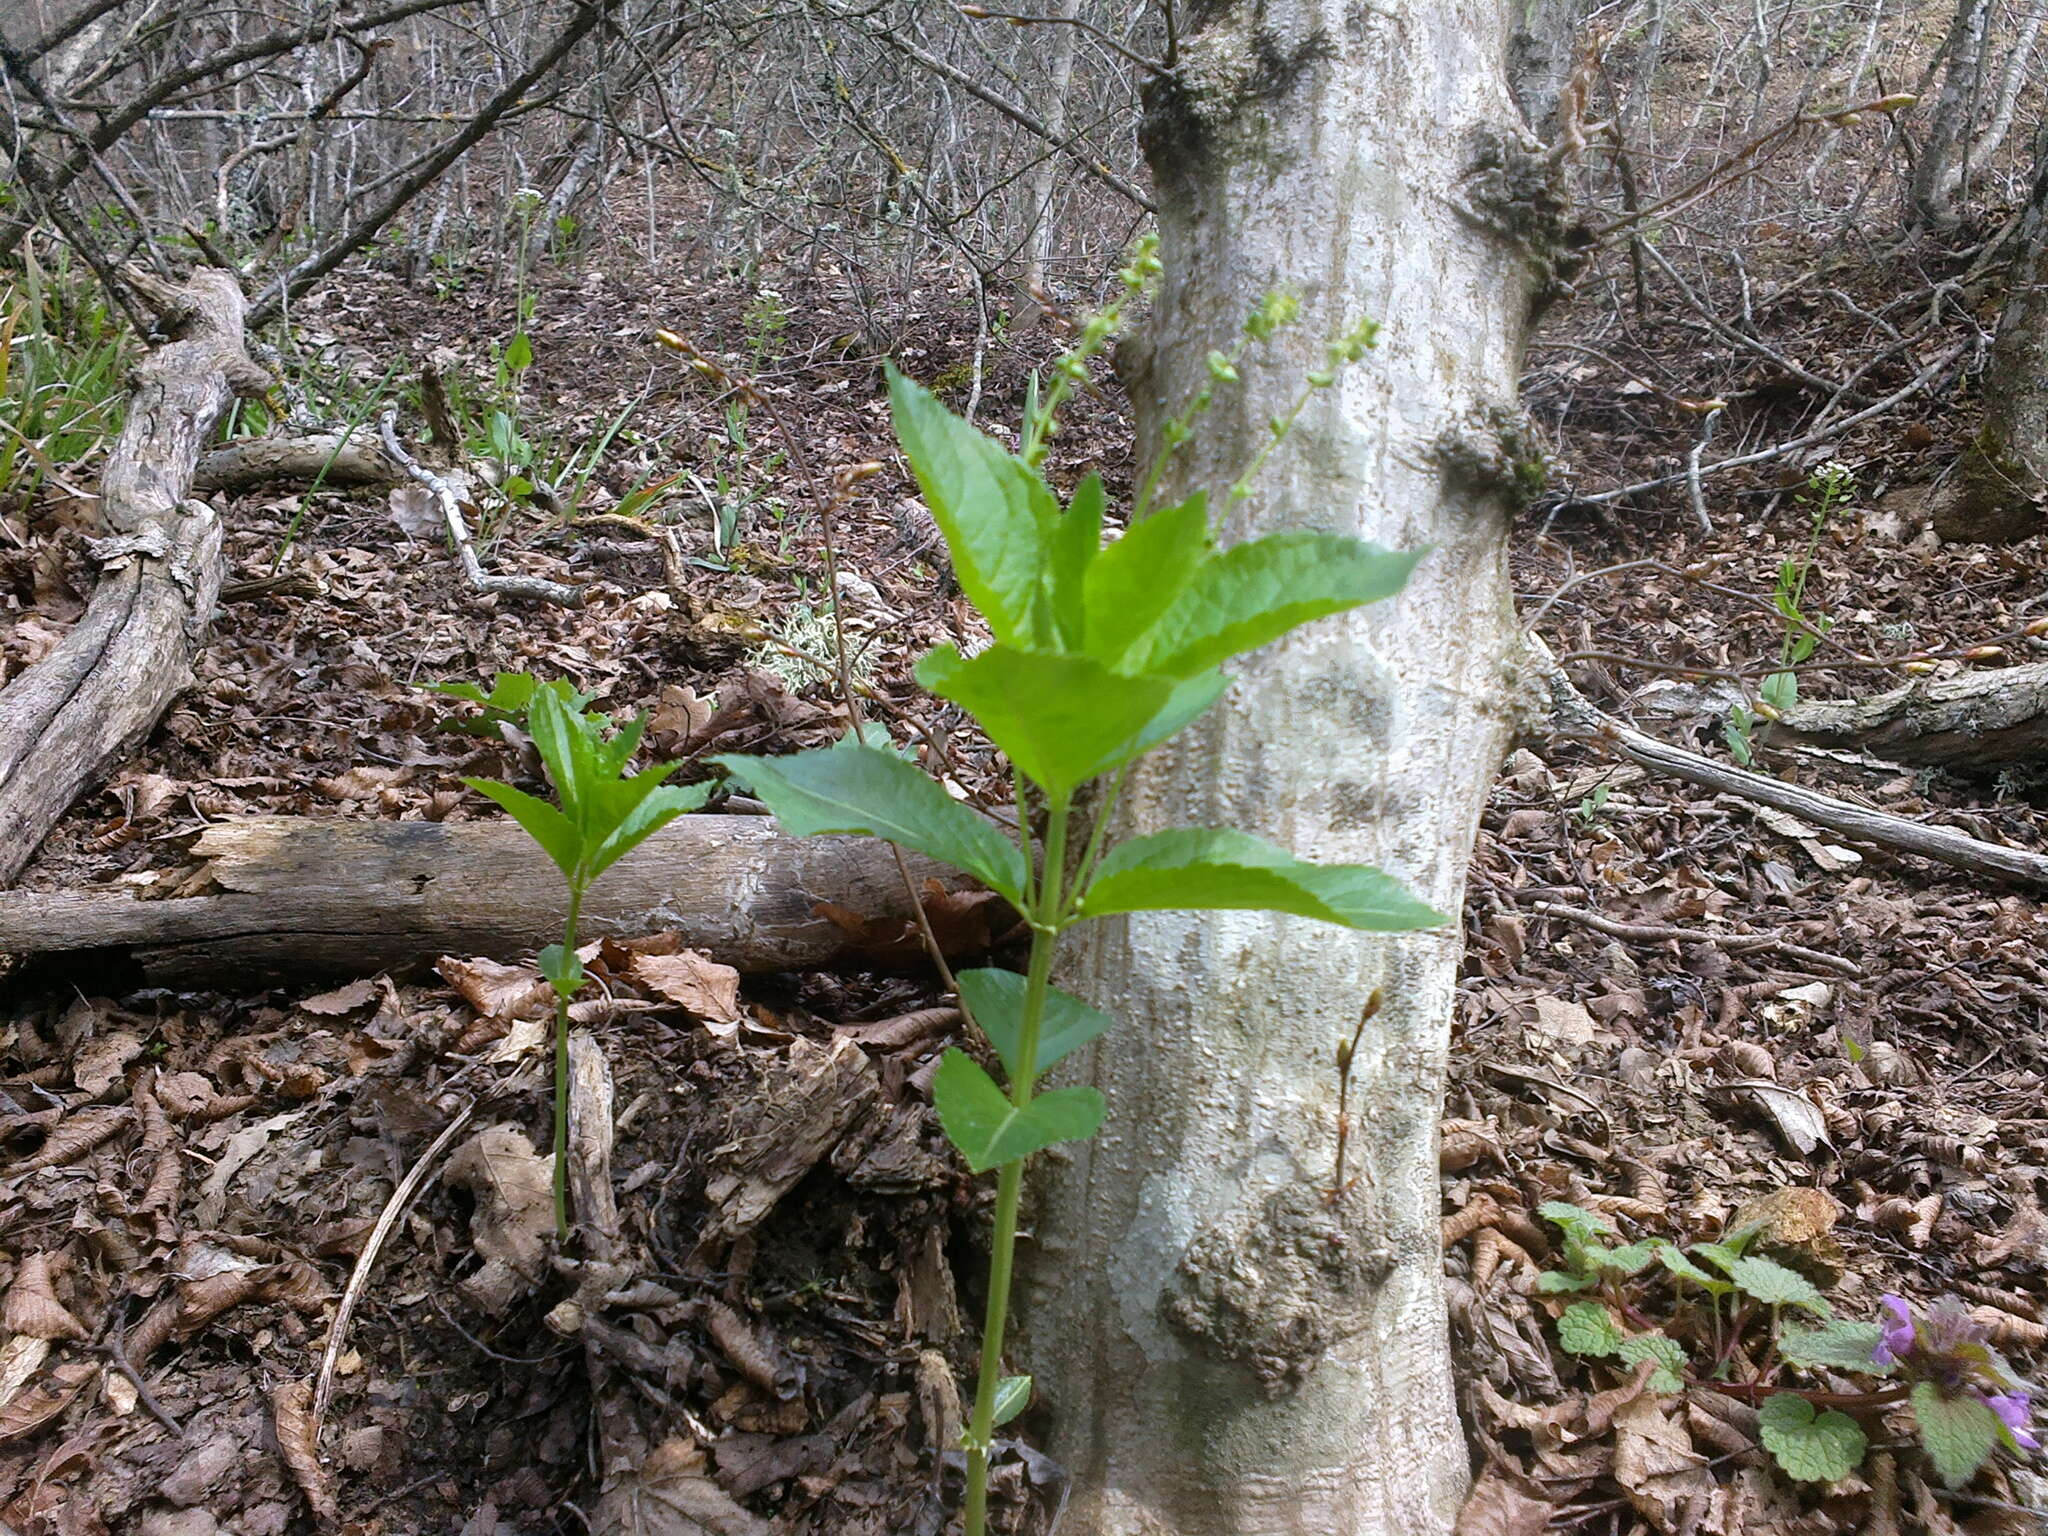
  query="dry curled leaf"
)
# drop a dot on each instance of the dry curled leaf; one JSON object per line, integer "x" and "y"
{"x": 32, "y": 1306}
{"x": 757, "y": 1358}
{"x": 698, "y": 984}
{"x": 670, "y": 1495}
{"x": 357, "y": 994}
{"x": 291, "y": 1406}
{"x": 32, "y": 1409}
{"x": 496, "y": 990}
{"x": 514, "y": 1190}
{"x": 1501, "y": 1505}
{"x": 74, "y": 1137}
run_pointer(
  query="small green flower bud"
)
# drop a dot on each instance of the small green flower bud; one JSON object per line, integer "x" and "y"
{"x": 1221, "y": 369}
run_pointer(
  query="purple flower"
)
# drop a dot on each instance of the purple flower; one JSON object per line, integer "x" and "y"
{"x": 2013, "y": 1411}
{"x": 1897, "y": 1339}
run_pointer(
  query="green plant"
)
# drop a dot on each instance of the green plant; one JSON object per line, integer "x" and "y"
{"x": 508, "y": 703}
{"x": 1727, "y": 1304}
{"x": 1100, "y": 653}
{"x": 1827, "y": 491}
{"x": 604, "y": 814}
{"x": 1589, "y": 807}
{"x": 63, "y": 365}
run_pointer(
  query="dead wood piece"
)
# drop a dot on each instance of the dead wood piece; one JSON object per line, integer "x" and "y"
{"x": 89, "y": 703}
{"x": 458, "y": 529}
{"x": 1571, "y": 714}
{"x": 1736, "y": 943}
{"x": 305, "y": 896}
{"x": 776, "y": 1136}
{"x": 1972, "y": 720}
{"x": 323, "y": 458}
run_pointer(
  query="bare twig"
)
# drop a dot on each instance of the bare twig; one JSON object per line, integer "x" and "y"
{"x": 535, "y": 587}
{"x": 1658, "y": 933}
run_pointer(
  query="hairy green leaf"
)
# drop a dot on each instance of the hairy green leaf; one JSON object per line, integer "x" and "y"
{"x": 1554, "y": 1282}
{"x": 1255, "y": 592}
{"x": 1957, "y": 1432}
{"x": 1840, "y": 1346}
{"x": 1773, "y": 1284}
{"x": 1669, "y": 1376}
{"x": 1195, "y": 869}
{"x": 1061, "y": 719}
{"x": 1815, "y": 1448}
{"x": 1588, "y": 1329}
{"x": 857, "y": 789}
{"x": 996, "y": 999}
{"x": 1674, "y": 1258}
{"x": 995, "y": 512}
{"x": 989, "y": 1130}
{"x": 1631, "y": 1260}
{"x": 1576, "y": 1220}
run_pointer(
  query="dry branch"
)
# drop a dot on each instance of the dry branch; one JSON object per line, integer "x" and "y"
{"x": 1972, "y": 720}
{"x": 303, "y": 896}
{"x": 68, "y": 719}
{"x": 1571, "y": 714}
{"x": 329, "y": 458}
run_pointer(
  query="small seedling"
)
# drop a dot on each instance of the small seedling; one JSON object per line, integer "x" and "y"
{"x": 1100, "y": 653}
{"x": 605, "y": 813}
{"x": 507, "y": 704}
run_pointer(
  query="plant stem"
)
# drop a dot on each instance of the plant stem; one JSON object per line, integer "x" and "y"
{"x": 562, "y": 1071}
{"x": 1046, "y": 922}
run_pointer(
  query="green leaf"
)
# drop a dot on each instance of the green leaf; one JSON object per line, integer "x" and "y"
{"x": 1588, "y": 1329}
{"x": 1075, "y": 541}
{"x": 1012, "y": 1393}
{"x": 1840, "y": 1346}
{"x": 1773, "y": 1284}
{"x": 648, "y": 814}
{"x": 856, "y": 789}
{"x": 1136, "y": 579}
{"x": 1667, "y": 1352}
{"x": 1553, "y": 1282}
{"x": 1195, "y": 869}
{"x": 1257, "y": 591}
{"x": 1815, "y": 1449}
{"x": 996, "y": 999}
{"x": 547, "y": 826}
{"x": 1576, "y": 1220}
{"x": 562, "y": 737}
{"x": 989, "y": 1130}
{"x": 1721, "y": 1255}
{"x": 1673, "y": 1258}
{"x": 996, "y": 514}
{"x": 1631, "y": 1260}
{"x": 1957, "y": 1432}
{"x": 561, "y": 969}
{"x": 519, "y": 353}
{"x": 1061, "y": 719}
{"x": 1190, "y": 699}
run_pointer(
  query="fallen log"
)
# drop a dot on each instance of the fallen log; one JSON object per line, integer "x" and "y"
{"x": 1572, "y": 714}
{"x": 73, "y": 715}
{"x": 334, "y": 459}
{"x": 1973, "y": 720}
{"x": 306, "y": 896}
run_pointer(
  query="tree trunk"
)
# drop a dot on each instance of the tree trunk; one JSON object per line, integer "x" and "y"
{"x": 1939, "y": 169}
{"x": 303, "y": 896}
{"x": 1045, "y": 175}
{"x": 2000, "y": 487}
{"x": 1226, "y": 1350}
{"x": 93, "y": 699}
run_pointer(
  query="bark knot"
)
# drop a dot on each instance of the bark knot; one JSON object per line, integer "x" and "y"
{"x": 1275, "y": 1285}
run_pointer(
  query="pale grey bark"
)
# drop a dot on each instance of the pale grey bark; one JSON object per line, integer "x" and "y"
{"x": 1223, "y": 1348}
{"x": 2000, "y": 488}
{"x": 1938, "y": 171}
{"x": 1045, "y": 175}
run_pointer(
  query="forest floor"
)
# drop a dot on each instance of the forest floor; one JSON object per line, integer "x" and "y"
{"x": 191, "y": 1179}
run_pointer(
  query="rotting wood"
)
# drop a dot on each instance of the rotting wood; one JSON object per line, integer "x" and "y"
{"x": 89, "y": 703}
{"x": 1571, "y": 714}
{"x": 305, "y": 896}
{"x": 1971, "y": 720}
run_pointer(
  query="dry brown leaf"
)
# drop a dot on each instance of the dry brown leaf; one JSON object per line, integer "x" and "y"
{"x": 32, "y": 1306}
{"x": 495, "y": 990}
{"x": 704, "y": 988}
{"x": 20, "y": 1358}
{"x": 1500, "y": 1505}
{"x": 357, "y": 994}
{"x": 670, "y": 1495}
{"x": 515, "y": 1212}
{"x": 99, "y": 1063}
{"x": 37, "y": 1406}
{"x": 1656, "y": 1464}
{"x": 74, "y": 1137}
{"x": 291, "y": 1406}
